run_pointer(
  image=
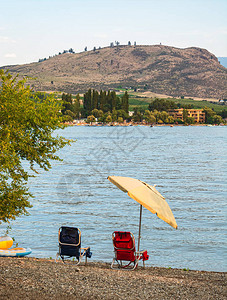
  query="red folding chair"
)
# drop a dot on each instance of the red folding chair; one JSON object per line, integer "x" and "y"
{"x": 126, "y": 255}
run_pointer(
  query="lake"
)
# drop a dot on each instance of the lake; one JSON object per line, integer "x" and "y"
{"x": 188, "y": 166}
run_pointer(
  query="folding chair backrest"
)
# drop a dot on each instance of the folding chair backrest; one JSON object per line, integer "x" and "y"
{"x": 124, "y": 245}
{"x": 69, "y": 241}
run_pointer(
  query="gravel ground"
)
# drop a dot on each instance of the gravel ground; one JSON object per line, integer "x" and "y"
{"x": 31, "y": 278}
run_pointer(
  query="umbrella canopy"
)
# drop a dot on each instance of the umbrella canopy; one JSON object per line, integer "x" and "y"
{"x": 147, "y": 196}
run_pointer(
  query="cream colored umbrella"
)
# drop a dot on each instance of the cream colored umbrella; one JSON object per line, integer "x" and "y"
{"x": 147, "y": 196}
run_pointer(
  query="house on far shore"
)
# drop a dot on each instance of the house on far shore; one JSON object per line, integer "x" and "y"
{"x": 197, "y": 114}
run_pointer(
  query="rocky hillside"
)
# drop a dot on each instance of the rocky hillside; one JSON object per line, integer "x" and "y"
{"x": 191, "y": 72}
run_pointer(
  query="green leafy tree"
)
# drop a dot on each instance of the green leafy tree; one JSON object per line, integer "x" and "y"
{"x": 122, "y": 113}
{"x": 185, "y": 115}
{"x": 90, "y": 119}
{"x": 100, "y": 113}
{"x": 26, "y": 126}
{"x": 217, "y": 119}
{"x": 67, "y": 102}
{"x": 164, "y": 116}
{"x": 76, "y": 109}
{"x": 95, "y": 99}
{"x": 209, "y": 115}
{"x": 125, "y": 103}
{"x": 88, "y": 102}
{"x": 137, "y": 116}
{"x": 114, "y": 115}
{"x": 157, "y": 115}
{"x": 95, "y": 112}
{"x": 108, "y": 119}
{"x": 189, "y": 120}
{"x": 179, "y": 121}
{"x": 120, "y": 120}
{"x": 161, "y": 105}
{"x": 170, "y": 120}
{"x": 102, "y": 99}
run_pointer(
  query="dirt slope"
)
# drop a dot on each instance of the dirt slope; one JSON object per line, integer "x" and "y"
{"x": 191, "y": 72}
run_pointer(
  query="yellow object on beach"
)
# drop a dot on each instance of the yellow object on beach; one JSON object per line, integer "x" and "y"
{"x": 5, "y": 242}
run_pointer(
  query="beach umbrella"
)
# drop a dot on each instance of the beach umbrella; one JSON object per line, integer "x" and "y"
{"x": 147, "y": 196}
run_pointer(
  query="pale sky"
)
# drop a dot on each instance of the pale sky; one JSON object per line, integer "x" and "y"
{"x": 33, "y": 29}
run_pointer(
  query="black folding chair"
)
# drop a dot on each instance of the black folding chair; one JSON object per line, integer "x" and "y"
{"x": 69, "y": 239}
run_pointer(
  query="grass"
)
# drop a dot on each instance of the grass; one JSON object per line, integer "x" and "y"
{"x": 144, "y": 102}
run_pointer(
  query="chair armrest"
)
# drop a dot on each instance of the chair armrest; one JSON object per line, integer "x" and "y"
{"x": 86, "y": 248}
{"x": 141, "y": 251}
{"x": 142, "y": 255}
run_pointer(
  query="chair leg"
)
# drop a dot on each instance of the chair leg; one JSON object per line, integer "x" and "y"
{"x": 118, "y": 264}
{"x": 112, "y": 263}
{"x": 135, "y": 264}
{"x": 56, "y": 257}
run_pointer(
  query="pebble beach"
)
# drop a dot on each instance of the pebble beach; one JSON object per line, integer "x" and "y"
{"x": 32, "y": 278}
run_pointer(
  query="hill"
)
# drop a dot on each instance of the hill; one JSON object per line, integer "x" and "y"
{"x": 190, "y": 72}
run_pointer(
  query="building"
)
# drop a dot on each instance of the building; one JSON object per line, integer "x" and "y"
{"x": 197, "y": 114}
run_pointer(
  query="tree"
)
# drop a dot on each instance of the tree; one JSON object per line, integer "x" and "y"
{"x": 209, "y": 115}
{"x": 164, "y": 116}
{"x": 137, "y": 116}
{"x": 170, "y": 120}
{"x": 162, "y": 104}
{"x": 217, "y": 119}
{"x": 88, "y": 102}
{"x": 120, "y": 120}
{"x": 114, "y": 115}
{"x": 67, "y": 103}
{"x": 108, "y": 119}
{"x": 149, "y": 117}
{"x": 95, "y": 98}
{"x": 26, "y": 126}
{"x": 185, "y": 115}
{"x": 95, "y": 112}
{"x": 90, "y": 119}
{"x": 189, "y": 120}
{"x": 125, "y": 104}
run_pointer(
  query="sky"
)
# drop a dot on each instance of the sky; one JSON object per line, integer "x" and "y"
{"x": 35, "y": 29}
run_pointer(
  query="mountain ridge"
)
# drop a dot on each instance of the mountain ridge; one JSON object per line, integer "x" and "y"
{"x": 189, "y": 72}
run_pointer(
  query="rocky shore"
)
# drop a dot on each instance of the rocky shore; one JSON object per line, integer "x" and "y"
{"x": 31, "y": 278}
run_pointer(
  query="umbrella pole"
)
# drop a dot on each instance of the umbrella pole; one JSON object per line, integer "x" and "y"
{"x": 140, "y": 228}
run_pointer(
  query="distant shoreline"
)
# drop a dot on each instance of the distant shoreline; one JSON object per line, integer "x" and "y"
{"x": 139, "y": 124}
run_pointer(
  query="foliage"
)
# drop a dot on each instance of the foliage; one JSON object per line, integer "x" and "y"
{"x": 120, "y": 120}
{"x": 161, "y": 105}
{"x": 189, "y": 120}
{"x": 217, "y": 119}
{"x": 26, "y": 126}
{"x": 90, "y": 119}
{"x": 108, "y": 119}
{"x": 185, "y": 114}
{"x": 211, "y": 117}
{"x": 149, "y": 117}
{"x": 105, "y": 101}
{"x": 70, "y": 108}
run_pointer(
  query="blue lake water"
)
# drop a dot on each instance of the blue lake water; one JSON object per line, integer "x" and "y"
{"x": 188, "y": 165}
